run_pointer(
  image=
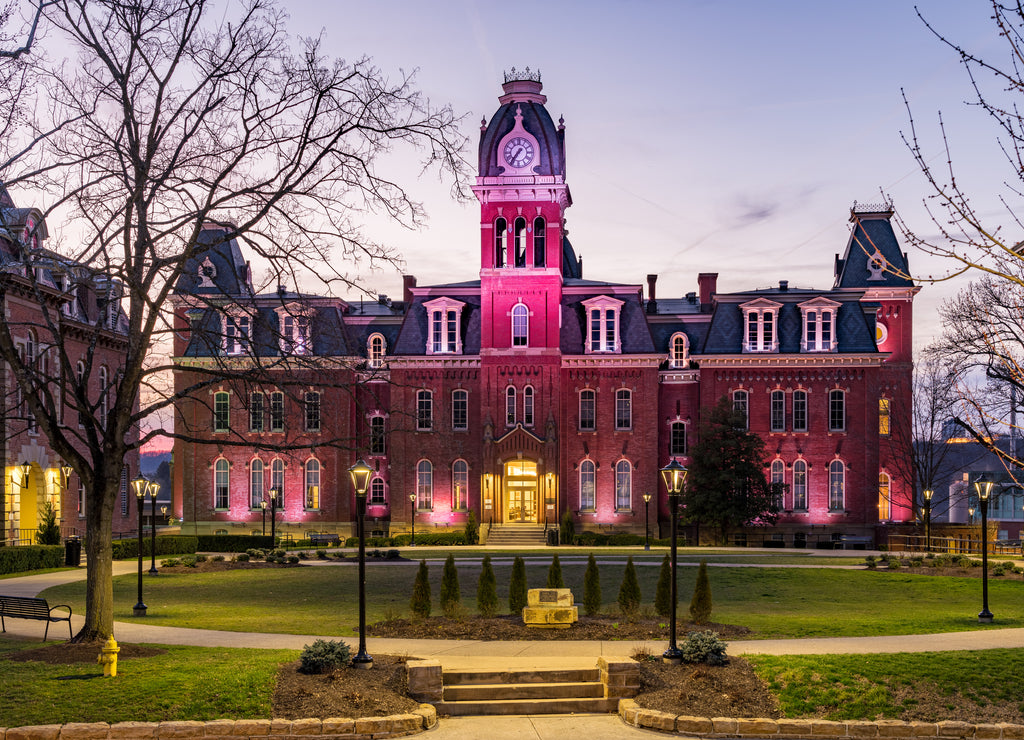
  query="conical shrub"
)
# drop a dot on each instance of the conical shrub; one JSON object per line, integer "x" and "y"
{"x": 700, "y": 605}
{"x": 420, "y": 603}
{"x": 451, "y": 598}
{"x": 629, "y": 591}
{"x": 487, "y": 590}
{"x": 592, "y": 589}
{"x": 555, "y": 574}
{"x": 517, "y": 587}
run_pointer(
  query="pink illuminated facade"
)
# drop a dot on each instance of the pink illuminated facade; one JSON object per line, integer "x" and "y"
{"x": 529, "y": 391}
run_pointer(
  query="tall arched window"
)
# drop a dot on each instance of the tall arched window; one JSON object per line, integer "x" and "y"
{"x": 375, "y": 350}
{"x": 679, "y": 351}
{"x": 460, "y": 485}
{"x": 221, "y": 406}
{"x": 221, "y": 483}
{"x": 277, "y": 480}
{"x": 377, "y": 491}
{"x": 588, "y": 421}
{"x": 424, "y": 485}
{"x": 800, "y": 485}
{"x": 623, "y": 486}
{"x": 741, "y": 406}
{"x": 539, "y": 242}
{"x": 255, "y": 483}
{"x": 587, "y": 486}
{"x": 500, "y": 242}
{"x": 884, "y": 507}
{"x": 836, "y": 486}
{"x": 528, "y": 406}
{"x": 623, "y": 409}
{"x": 312, "y": 483}
{"x": 778, "y": 471}
{"x": 510, "y": 406}
{"x": 520, "y": 325}
{"x": 519, "y": 235}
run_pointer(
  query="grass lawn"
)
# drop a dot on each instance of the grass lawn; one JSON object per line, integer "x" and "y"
{"x": 844, "y": 687}
{"x": 774, "y": 602}
{"x": 187, "y": 683}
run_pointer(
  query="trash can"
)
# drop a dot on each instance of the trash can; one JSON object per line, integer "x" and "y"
{"x": 73, "y": 551}
{"x": 553, "y": 536}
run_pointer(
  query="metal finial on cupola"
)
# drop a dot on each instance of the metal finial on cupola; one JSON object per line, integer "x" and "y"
{"x": 483, "y": 123}
{"x": 561, "y": 123}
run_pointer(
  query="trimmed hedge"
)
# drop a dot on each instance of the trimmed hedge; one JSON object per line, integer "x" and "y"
{"x": 30, "y": 557}
{"x": 165, "y": 545}
{"x": 622, "y": 539}
{"x": 450, "y": 537}
{"x": 233, "y": 542}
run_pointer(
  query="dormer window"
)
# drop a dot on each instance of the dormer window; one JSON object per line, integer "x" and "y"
{"x": 759, "y": 321}
{"x": 819, "y": 325}
{"x": 375, "y": 349}
{"x": 207, "y": 273}
{"x": 295, "y": 336}
{"x": 236, "y": 333}
{"x": 679, "y": 351}
{"x": 443, "y": 335}
{"x": 603, "y": 324}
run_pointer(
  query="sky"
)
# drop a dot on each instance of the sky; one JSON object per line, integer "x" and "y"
{"x": 701, "y": 136}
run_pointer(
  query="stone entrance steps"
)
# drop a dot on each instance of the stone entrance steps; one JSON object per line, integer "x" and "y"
{"x": 535, "y": 691}
{"x": 516, "y": 535}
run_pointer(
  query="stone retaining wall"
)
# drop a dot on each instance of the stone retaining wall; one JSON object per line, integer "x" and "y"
{"x": 366, "y": 728}
{"x": 812, "y": 729}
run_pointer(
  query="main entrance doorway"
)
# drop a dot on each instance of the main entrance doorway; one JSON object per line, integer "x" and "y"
{"x": 521, "y": 491}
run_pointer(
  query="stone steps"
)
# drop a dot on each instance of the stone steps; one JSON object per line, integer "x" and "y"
{"x": 516, "y": 535}
{"x": 524, "y": 692}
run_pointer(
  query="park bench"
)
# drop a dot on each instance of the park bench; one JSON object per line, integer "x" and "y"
{"x": 324, "y": 538}
{"x": 29, "y": 607}
{"x": 852, "y": 542}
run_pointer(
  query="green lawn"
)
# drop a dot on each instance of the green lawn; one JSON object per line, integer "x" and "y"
{"x": 774, "y": 602}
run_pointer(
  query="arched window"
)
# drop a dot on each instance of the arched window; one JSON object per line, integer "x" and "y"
{"x": 679, "y": 351}
{"x": 836, "y": 486}
{"x": 800, "y": 485}
{"x": 741, "y": 406}
{"x": 587, "y": 486}
{"x": 528, "y": 406}
{"x": 510, "y": 406}
{"x": 778, "y": 479}
{"x": 884, "y": 507}
{"x": 623, "y": 486}
{"x": 778, "y": 420}
{"x": 460, "y": 485}
{"x": 500, "y": 242}
{"x": 677, "y": 439}
{"x": 520, "y": 325}
{"x": 519, "y": 235}
{"x": 312, "y": 483}
{"x": 376, "y": 347}
{"x": 460, "y": 409}
{"x": 377, "y": 491}
{"x": 424, "y": 485}
{"x": 221, "y": 483}
{"x": 277, "y": 480}
{"x": 221, "y": 406}
{"x": 255, "y": 483}
{"x": 836, "y": 411}
{"x": 539, "y": 242}
{"x": 588, "y": 421}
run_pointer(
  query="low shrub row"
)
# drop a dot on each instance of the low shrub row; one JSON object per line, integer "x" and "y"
{"x": 621, "y": 539}
{"x": 233, "y": 542}
{"x": 30, "y": 557}
{"x": 170, "y": 544}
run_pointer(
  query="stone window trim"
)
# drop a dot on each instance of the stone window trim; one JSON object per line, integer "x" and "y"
{"x": 444, "y": 326}
{"x": 760, "y": 326}
{"x": 221, "y": 411}
{"x": 460, "y": 485}
{"x": 587, "y": 399}
{"x": 295, "y": 327}
{"x": 312, "y": 469}
{"x": 837, "y": 486}
{"x": 377, "y": 425}
{"x": 601, "y": 329}
{"x": 257, "y": 482}
{"x": 623, "y": 410}
{"x": 588, "y": 486}
{"x": 624, "y": 487}
{"x": 424, "y": 410}
{"x": 801, "y": 411}
{"x": 678, "y": 435}
{"x": 424, "y": 485}
{"x": 679, "y": 351}
{"x": 221, "y": 484}
{"x": 884, "y": 496}
{"x": 460, "y": 410}
{"x": 837, "y": 411}
{"x": 741, "y": 403}
{"x": 519, "y": 315}
{"x": 884, "y": 416}
{"x": 819, "y": 325}
{"x": 237, "y": 329}
{"x": 777, "y": 411}
{"x": 799, "y": 487}
{"x": 376, "y": 350}
{"x": 529, "y": 399}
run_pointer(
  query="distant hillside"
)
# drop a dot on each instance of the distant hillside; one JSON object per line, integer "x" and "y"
{"x": 150, "y": 461}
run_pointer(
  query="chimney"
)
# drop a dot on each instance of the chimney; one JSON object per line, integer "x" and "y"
{"x": 783, "y": 285}
{"x": 707, "y": 284}
{"x": 652, "y": 297}
{"x": 408, "y": 283}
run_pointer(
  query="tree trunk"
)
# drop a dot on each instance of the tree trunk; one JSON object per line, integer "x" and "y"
{"x": 99, "y": 588}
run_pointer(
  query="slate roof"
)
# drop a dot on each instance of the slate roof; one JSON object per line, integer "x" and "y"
{"x": 537, "y": 121}
{"x": 872, "y": 231}
{"x": 232, "y": 272}
{"x": 634, "y": 334}
{"x": 412, "y": 339}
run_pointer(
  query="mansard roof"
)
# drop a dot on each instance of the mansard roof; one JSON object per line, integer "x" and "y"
{"x": 412, "y": 339}
{"x": 536, "y": 120}
{"x": 872, "y": 235}
{"x": 634, "y": 334}
{"x": 220, "y": 260}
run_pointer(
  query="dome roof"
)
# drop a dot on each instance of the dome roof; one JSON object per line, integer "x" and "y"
{"x": 522, "y": 94}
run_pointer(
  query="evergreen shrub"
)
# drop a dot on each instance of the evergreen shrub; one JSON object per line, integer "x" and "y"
{"x": 324, "y": 656}
{"x": 420, "y": 603}
{"x": 700, "y": 604}
{"x": 592, "y": 588}
{"x": 555, "y": 579}
{"x": 629, "y": 590}
{"x": 451, "y": 598}
{"x": 487, "y": 590}
{"x": 517, "y": 587}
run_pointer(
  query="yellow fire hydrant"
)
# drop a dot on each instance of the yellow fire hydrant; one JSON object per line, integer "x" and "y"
{"x": 108, "y": 657}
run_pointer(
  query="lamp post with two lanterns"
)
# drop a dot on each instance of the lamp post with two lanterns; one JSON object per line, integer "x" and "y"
{"x": 360, "y": 474}
{"x": 153, "y": 488}
{"x": 139, "y": 485}
{"x": 674, "y": 476}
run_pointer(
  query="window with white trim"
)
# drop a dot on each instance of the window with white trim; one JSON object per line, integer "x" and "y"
{"x": 510, "y": 406}
{"x": 236, "y": 333}
{"x": 520, "y": 325}
{"x": 741, "y": 406}
{"x": 256, "y": 401}
{"x": 221, "y": 483}
{"x": 295, "y": 331}
{"x": 588, "y": 420}
{"x": 277, "y": 411}
{"x": 836, "y": 486}
{"x": 375, "y": 349}
{"x": 819, "y": 331}
{"x": 759, "y": 327}
{"x": 312, "y": 408}
{"x": 528, "y": 406}
{"x": 519, "y": 241}
{"x": 312, "y": 484}
{"x": 539, "y": 242}
{"x": 424, "y": 411}
{"x": 221, "y": 410}
{"x": 500, "y": 242}
{"x": 377, "y": 495}
{"x": 587, "y": 486}
{"x": 378, "y": 443}
{"x": 443, "y": 334}
{"x": 255, "y": 483}
{"x": 800, "y": 485}
{"x": 603, "y": 324}
{"x": 778, "y": 409}
{"x": 836, "y": 411}
{"x": 884, "y": 507}
{"x": 778, "y": 479}
{"x": 277, "y": 480}
{"x": 679, "y": 351}
{"x": 460, "y": 485}
{"x": 460, "y": 410}
{"x": 623, "y": 486}
{"x": 799, "y": 411}
{"x": 677, "y": 439}
{"x": 623, "y": 409}
{"x": 424, "y": 485}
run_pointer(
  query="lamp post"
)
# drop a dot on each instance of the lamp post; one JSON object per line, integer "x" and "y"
{"x": 263, "y": 506}
{"x": 139, "y": 484}
{"x": 360, "y": 473}
{"x": 984, "y": 490}
{"x": 928, "y": 519}
{"x": 412, "y": 518}
{"x": 647, "y": 521}
{"x": 154, "y": 489}
{"x": 673, "y": 475}
{"x": 273, "y": 516}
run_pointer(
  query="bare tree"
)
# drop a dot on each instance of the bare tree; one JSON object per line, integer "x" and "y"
{"x": 165, "y": 122}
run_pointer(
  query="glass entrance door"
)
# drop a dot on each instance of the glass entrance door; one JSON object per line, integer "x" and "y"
{"x": 521, "y": 491}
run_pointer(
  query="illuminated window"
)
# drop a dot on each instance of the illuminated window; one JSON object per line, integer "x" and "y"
{"x": 884, "y": 507}
{"x": 460, "y": 485}
{"x": 587, "y": 486}
{"x": 277, "y": 480}
{"x": 424, "y": 485}
{"x": 539, "y": 241}
{"x": 623, "y": 486}
{"x": 221, "y": 410}
{"x": 778, "y": 401}
{"x": 679, "y": 349}
{"x": 799, "y": 411}
{"x": 375, "y": 349}
{"x": 836, "y": 486}
{"x": 588, "y": 422}
{"x": 460, "y": 410}
{"x": 221, "y": 483}
{"x": 800, "y": 485}
{"x": 312, "y": 484}
{"x": 884, "y": 420}
{"x": 295, "y": 339}
{"x": 255, "y": 483}
{"x": 377, "y": 491}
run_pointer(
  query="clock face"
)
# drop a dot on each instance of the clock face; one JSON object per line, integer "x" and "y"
{"x": 518, "y": 152}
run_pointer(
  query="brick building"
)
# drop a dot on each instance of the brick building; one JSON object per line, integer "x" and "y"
{"x": 530, "y": 390}
{"x": 53, "y": 306}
